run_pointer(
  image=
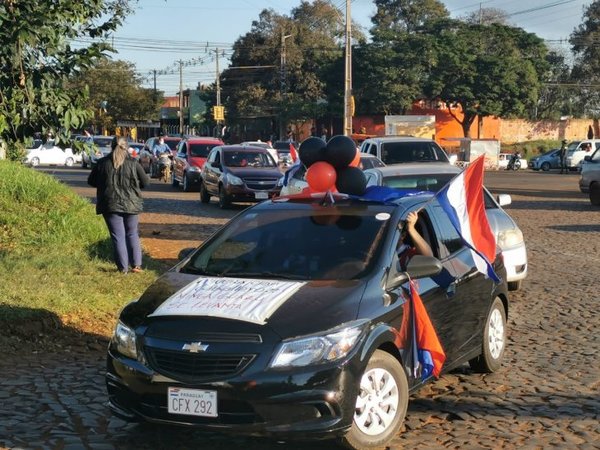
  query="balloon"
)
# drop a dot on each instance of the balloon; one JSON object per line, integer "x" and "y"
{"x": 321, "y": 176}
{"x": 356, "y": 161}
{"x": 340, "y": 151}
{"x": 311, "y": 150}
{"x": 351, "y": 180}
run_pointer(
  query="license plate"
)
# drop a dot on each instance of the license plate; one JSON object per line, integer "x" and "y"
{"x": 261, "y": 195}
{"x": 192, "y": 402}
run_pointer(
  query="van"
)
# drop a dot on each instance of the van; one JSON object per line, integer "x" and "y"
{"x": 576, "y": 152}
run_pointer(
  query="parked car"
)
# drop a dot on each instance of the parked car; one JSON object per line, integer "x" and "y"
{"x": 236, "y": 173}
{"x": 49, "y": 154}
{"x": 297, "y": 182}
{"x": 404, "y": 149}
{"x": 589, "y": 180}
{"x": 504, "y": 159}
{"x": 147, "y": 158}
{"x": 189, "y": 158}
{"x": 288, "y": 322}
{"x": 432, "y": 177}
{"x": 576, "y": 152}
{"x": 546, "y": 161}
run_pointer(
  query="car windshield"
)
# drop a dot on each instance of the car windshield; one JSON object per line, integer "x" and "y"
{"x": 369, "y": 163}
{"x": 248, "y": 159}
{"x": 401, "y": 152}
{"x": 573, "y": 146}
{"x": 423, "y": 182}
{"x": 201, "y": 150}
{"x": 103, "y": 142}
{"x": 320, "y": 243}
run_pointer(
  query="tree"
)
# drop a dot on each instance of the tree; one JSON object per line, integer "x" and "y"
{"x": 116, "y": 92}
{"x": 586, "y": 67}
{"x": 557, "y": 97}
{"x": 487, "y": 16}
{"x": 37, "y": 58}
{"x": 492, "y": 70}
{"x": 396, "y": 17}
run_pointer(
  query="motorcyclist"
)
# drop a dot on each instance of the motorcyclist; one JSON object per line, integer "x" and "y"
{"x": 516, "y": 156}
{"x": 160, "y": 149}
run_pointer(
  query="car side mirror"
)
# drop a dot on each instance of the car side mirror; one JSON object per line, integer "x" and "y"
{"x": 504, "y": 199}
{"x": 419, "y": 266}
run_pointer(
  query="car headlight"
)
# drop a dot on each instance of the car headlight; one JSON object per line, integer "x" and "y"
{"x": 510, "y": 238}
{"x": 124, "y": 340}
{"x": 194, "y": 169}
{"x": 232, "y": 179}
{"x": 318, "y": 349}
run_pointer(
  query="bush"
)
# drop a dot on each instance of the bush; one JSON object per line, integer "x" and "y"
{"x": 15, "y": 151}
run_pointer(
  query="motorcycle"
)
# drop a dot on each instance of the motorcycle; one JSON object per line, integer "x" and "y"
{"x": 164, "y": 167}
{"x": 515, "y": 162}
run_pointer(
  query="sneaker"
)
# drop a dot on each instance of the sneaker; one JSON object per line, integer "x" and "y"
{"x": 137, "y": 269}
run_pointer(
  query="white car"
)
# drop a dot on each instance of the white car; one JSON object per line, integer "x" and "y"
{"x": 50, "y": 154}
{"x": 434, "y": 176}
{"x": 589, "y": 180}
{"x": 504, "y": 158}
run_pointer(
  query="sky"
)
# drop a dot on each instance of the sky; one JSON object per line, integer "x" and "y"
{"x": 162, "y": 32}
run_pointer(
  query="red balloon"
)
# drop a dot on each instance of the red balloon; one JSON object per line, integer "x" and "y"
{"x": 356, "y": 161}
{"x": 321, "y": 176}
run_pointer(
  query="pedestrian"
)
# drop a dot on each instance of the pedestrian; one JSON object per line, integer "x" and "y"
{"x": 118, "y": 180}
{"x": 563, "y": 157}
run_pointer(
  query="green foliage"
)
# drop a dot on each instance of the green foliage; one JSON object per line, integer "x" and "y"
{"x": 55, "y": 254}
{"x": 15, "y": 151}
{"x": 37, "y": 59}
{"x": 529, "y": 149}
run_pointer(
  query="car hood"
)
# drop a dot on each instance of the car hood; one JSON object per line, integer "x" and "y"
{"x": 244, "y": 172}
{"x": 314, "y": 307}
{"x": 196, "y": 161}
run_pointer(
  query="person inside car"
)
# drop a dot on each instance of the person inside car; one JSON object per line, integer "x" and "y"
{"x": 411, "y": 242}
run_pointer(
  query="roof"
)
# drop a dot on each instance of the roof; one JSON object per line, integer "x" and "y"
{"x": 416, "y": 168}
{"x": 399, "y": 139}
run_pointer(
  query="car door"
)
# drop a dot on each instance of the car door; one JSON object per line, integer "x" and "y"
{"x": 212, "y": 171}
{"x": 470, "y": 291}
{"x": 180, "y": 160}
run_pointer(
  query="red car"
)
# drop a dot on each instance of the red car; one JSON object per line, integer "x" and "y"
{"x": 190, "y": 157}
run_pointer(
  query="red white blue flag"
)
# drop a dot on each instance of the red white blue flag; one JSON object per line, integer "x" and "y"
{"x": 462, "y": 199}
{"x": 417, "y": 340}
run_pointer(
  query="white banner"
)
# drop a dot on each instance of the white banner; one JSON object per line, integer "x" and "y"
{"x": 246, "y": 299}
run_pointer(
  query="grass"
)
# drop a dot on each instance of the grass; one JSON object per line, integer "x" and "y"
{"x": 56, "y": 257}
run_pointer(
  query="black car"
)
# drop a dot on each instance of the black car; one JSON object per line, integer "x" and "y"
{"x": 285, "y": 323}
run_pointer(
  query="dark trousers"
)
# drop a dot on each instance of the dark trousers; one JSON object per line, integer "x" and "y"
{"x": 123, "y": 229}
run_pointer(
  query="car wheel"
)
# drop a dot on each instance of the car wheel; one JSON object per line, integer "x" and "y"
{"x": 514, "y": 285}
{"x": 494, "y": 340}
{"x": 381, "y": 403}
{"x": 35, "y": 161}
{"x": 204, "y": 195}
{"x": 174, "y": 182}
{"x": 186, "y": 183}
{"x": 545, "y": 166}
{"x": 595, "y": 194}
{"x": 224, "y": 200}
{"x": 69, "y": 162}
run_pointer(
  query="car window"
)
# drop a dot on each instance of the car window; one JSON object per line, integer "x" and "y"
{"x": 172, "y": 143}
{"x": 200, "y": 150}
{"x": 251, "y": 244}
{"x": 449, "y": 240}
{"x": 400, "y": 152}
{"x": 596, "y": 156}
{"x": 248, "y": 159}
{"x": 424, "y": 182}
{"x": 102, "y": 141}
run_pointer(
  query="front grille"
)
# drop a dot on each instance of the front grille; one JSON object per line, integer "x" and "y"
{"x": 193, "y": 367}
{"x": 261, "y": 184}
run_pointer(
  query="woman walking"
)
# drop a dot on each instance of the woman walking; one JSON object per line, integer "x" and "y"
{"x": 118, "y": 180}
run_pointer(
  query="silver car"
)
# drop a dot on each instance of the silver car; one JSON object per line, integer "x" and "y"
{"x": 434, "y": 176}
{"x": 589, "y": 180}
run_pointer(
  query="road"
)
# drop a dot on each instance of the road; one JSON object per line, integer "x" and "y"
{"x": 547, "y": 395}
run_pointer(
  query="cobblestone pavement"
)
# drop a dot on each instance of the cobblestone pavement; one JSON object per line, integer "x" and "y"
{"x": 547, "y": 395}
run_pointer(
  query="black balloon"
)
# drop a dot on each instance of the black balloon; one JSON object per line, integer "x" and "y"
{"x": 351, "y": 180}
{"x": 340, "y": 151}
{"x": 311, "y": 150}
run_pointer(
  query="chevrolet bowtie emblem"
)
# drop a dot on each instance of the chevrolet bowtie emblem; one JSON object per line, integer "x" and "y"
{"x": 195, "y": 347}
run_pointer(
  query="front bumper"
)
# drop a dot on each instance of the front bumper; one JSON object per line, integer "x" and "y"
{"x": 194, "y": 178}
{"x": 303, "y": 403}
{"x": 515, "y": 261}
{"x": 245, "y": 194}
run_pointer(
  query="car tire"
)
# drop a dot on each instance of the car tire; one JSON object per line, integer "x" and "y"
{"x": 224, "y": 200}
{"x": 187, "y": 187}
{"x": 69, "y": 162}
{"x": 515, "y": 285}
{"x": 372, "y": 425}
{"x": 35, "y": 161}
{"x": 204, "y": 195}
{"x": 494, "y": 340}
{"x": 174, "y": 182}
{"x": 545, "y": 166}
{"x": 595, "y": 194}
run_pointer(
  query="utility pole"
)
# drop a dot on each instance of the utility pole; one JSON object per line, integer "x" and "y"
{"x": 348, "y": 74}
{"x": 282, "y": 86}
{"x": 181, "y": 97}
{"x": 218, "y": 90}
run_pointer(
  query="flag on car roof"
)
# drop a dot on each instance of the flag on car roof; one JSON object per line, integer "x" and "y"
{"x": 417, "y": 340}
{"x": 462, "y": 199}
